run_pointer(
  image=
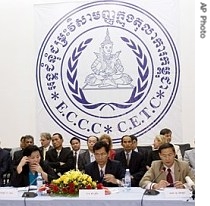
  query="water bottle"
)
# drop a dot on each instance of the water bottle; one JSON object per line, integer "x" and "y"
{"x": 127, "y": 180}
{"x": 39, "y": 183}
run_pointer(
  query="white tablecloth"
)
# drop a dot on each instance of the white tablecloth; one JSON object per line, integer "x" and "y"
{"x": 119, "y": 197}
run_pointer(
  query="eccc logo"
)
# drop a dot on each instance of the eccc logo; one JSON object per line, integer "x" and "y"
{"x": 107, "y": 67}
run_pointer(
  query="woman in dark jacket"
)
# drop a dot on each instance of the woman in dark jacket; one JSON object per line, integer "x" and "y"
{"x": 30, "y": 165}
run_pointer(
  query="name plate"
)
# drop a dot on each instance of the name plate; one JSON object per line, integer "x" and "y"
{"x": 8, "y": 193}
{"x": 177, "y": 193}
{"x": 86, "y": 193}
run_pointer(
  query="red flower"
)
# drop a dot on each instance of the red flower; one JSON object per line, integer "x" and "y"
{"x": 71, "y": 185}
{"x": 71, "y": 190}
{"x": 76, "y": 181}
{"x": 54, "y": 188}
{"x": 65, "y": 190}
{"x": 88, "y": 187}
{"x": 100, "y": 186}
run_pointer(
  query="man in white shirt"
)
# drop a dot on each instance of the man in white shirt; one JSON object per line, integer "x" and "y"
{"x": 45, "y": 139}
{"x": 76, "y": 149}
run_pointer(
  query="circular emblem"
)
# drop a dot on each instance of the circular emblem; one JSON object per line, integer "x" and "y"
{"x": 107, "y": 67}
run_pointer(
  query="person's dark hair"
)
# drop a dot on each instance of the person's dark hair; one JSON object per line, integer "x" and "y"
{"x": 22, "y": 138}
{"x": 100, "y": 144}
{"x": 74, "y": 138}
{"x": 165, "y": 146}
{"x": 125, "y": 136}
{"x": 59, "y": 135}
{"x": 29, "y": 149}
{"x": 97, "y": 139}
{"x": 165, "y": 131}
{"x": 28, "y": 136}
{"x": 133, "y": 137}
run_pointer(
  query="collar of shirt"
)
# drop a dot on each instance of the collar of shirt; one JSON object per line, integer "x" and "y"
{"x": 128, "y": 153}
{"x": 172, "y": 169}
{"x": 46, "y": 148}
{"x": 103, "y": 168}
{"x": 136, "y": 150}
{"x": 58, "y": 152}
{"x": 77, "y": 151}
{"x": 92, "y": 156}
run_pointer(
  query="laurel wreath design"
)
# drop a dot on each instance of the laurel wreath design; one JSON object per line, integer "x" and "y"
{"x": 138, "y": 90}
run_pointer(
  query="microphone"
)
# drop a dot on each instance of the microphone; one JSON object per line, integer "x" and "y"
{"x": 150, "y": 191}
{"x": 30, "y": 194}
{"x": 191, "y": 184}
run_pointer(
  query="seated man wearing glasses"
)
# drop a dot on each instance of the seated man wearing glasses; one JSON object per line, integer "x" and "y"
{"x": 103, "y": 170}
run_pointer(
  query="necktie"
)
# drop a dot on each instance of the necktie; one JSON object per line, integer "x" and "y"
{"x": 101, "y": 175}
{"x": 75, "y": 160}
{"x": 58, "y": 153}
{"x": 169, "y": 178}
{"x": 127, "y": 158}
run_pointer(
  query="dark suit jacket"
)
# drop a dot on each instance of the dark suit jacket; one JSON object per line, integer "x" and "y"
{"x": 5, "y": 161}
{"x": 145, "y": 150}
{"x": 22, "y": 179}
{"x": 80, "y": 162}
{"x": 153, "y": 155}
{"x": 42, "y": 149}
{"x": 17, "y": 157}
{"x": 112, "y": 167}
{"x": 54, "y": 161}
{"x": 137, "y": 165}
{"x": 84, "y": 159}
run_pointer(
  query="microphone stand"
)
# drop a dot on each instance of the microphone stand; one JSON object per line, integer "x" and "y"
{"x": 151, "y": 191}
{"x": 30, "y": 194}
{"x": 193, "y": 194}
{"x": 191, "y": 184}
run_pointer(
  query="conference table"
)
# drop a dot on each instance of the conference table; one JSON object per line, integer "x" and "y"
{"x": 118, "y": 197}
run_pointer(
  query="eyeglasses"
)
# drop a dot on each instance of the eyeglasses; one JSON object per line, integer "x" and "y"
{"x": 100, "y": 155}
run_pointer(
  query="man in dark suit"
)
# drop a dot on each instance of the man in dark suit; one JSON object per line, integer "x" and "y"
{"x": 88, "y": 156}
{"x": 59, "y": 158}
{"x": 145, "y": 150}
{"x": 5, "y": 161}
{"x": 77, "y": 151}
{"x": 28, "y": 140}
{"x": 103, "y": 170}
{"x": 132, "y": 160}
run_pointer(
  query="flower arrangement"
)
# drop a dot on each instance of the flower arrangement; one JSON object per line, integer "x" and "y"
{"x": 70, "y": 183}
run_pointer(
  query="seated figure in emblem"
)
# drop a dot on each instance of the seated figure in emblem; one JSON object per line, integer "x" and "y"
{"x": 107, "y": 68}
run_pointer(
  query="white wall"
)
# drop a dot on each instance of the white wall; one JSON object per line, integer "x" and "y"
{"x": 17, "y": 67}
